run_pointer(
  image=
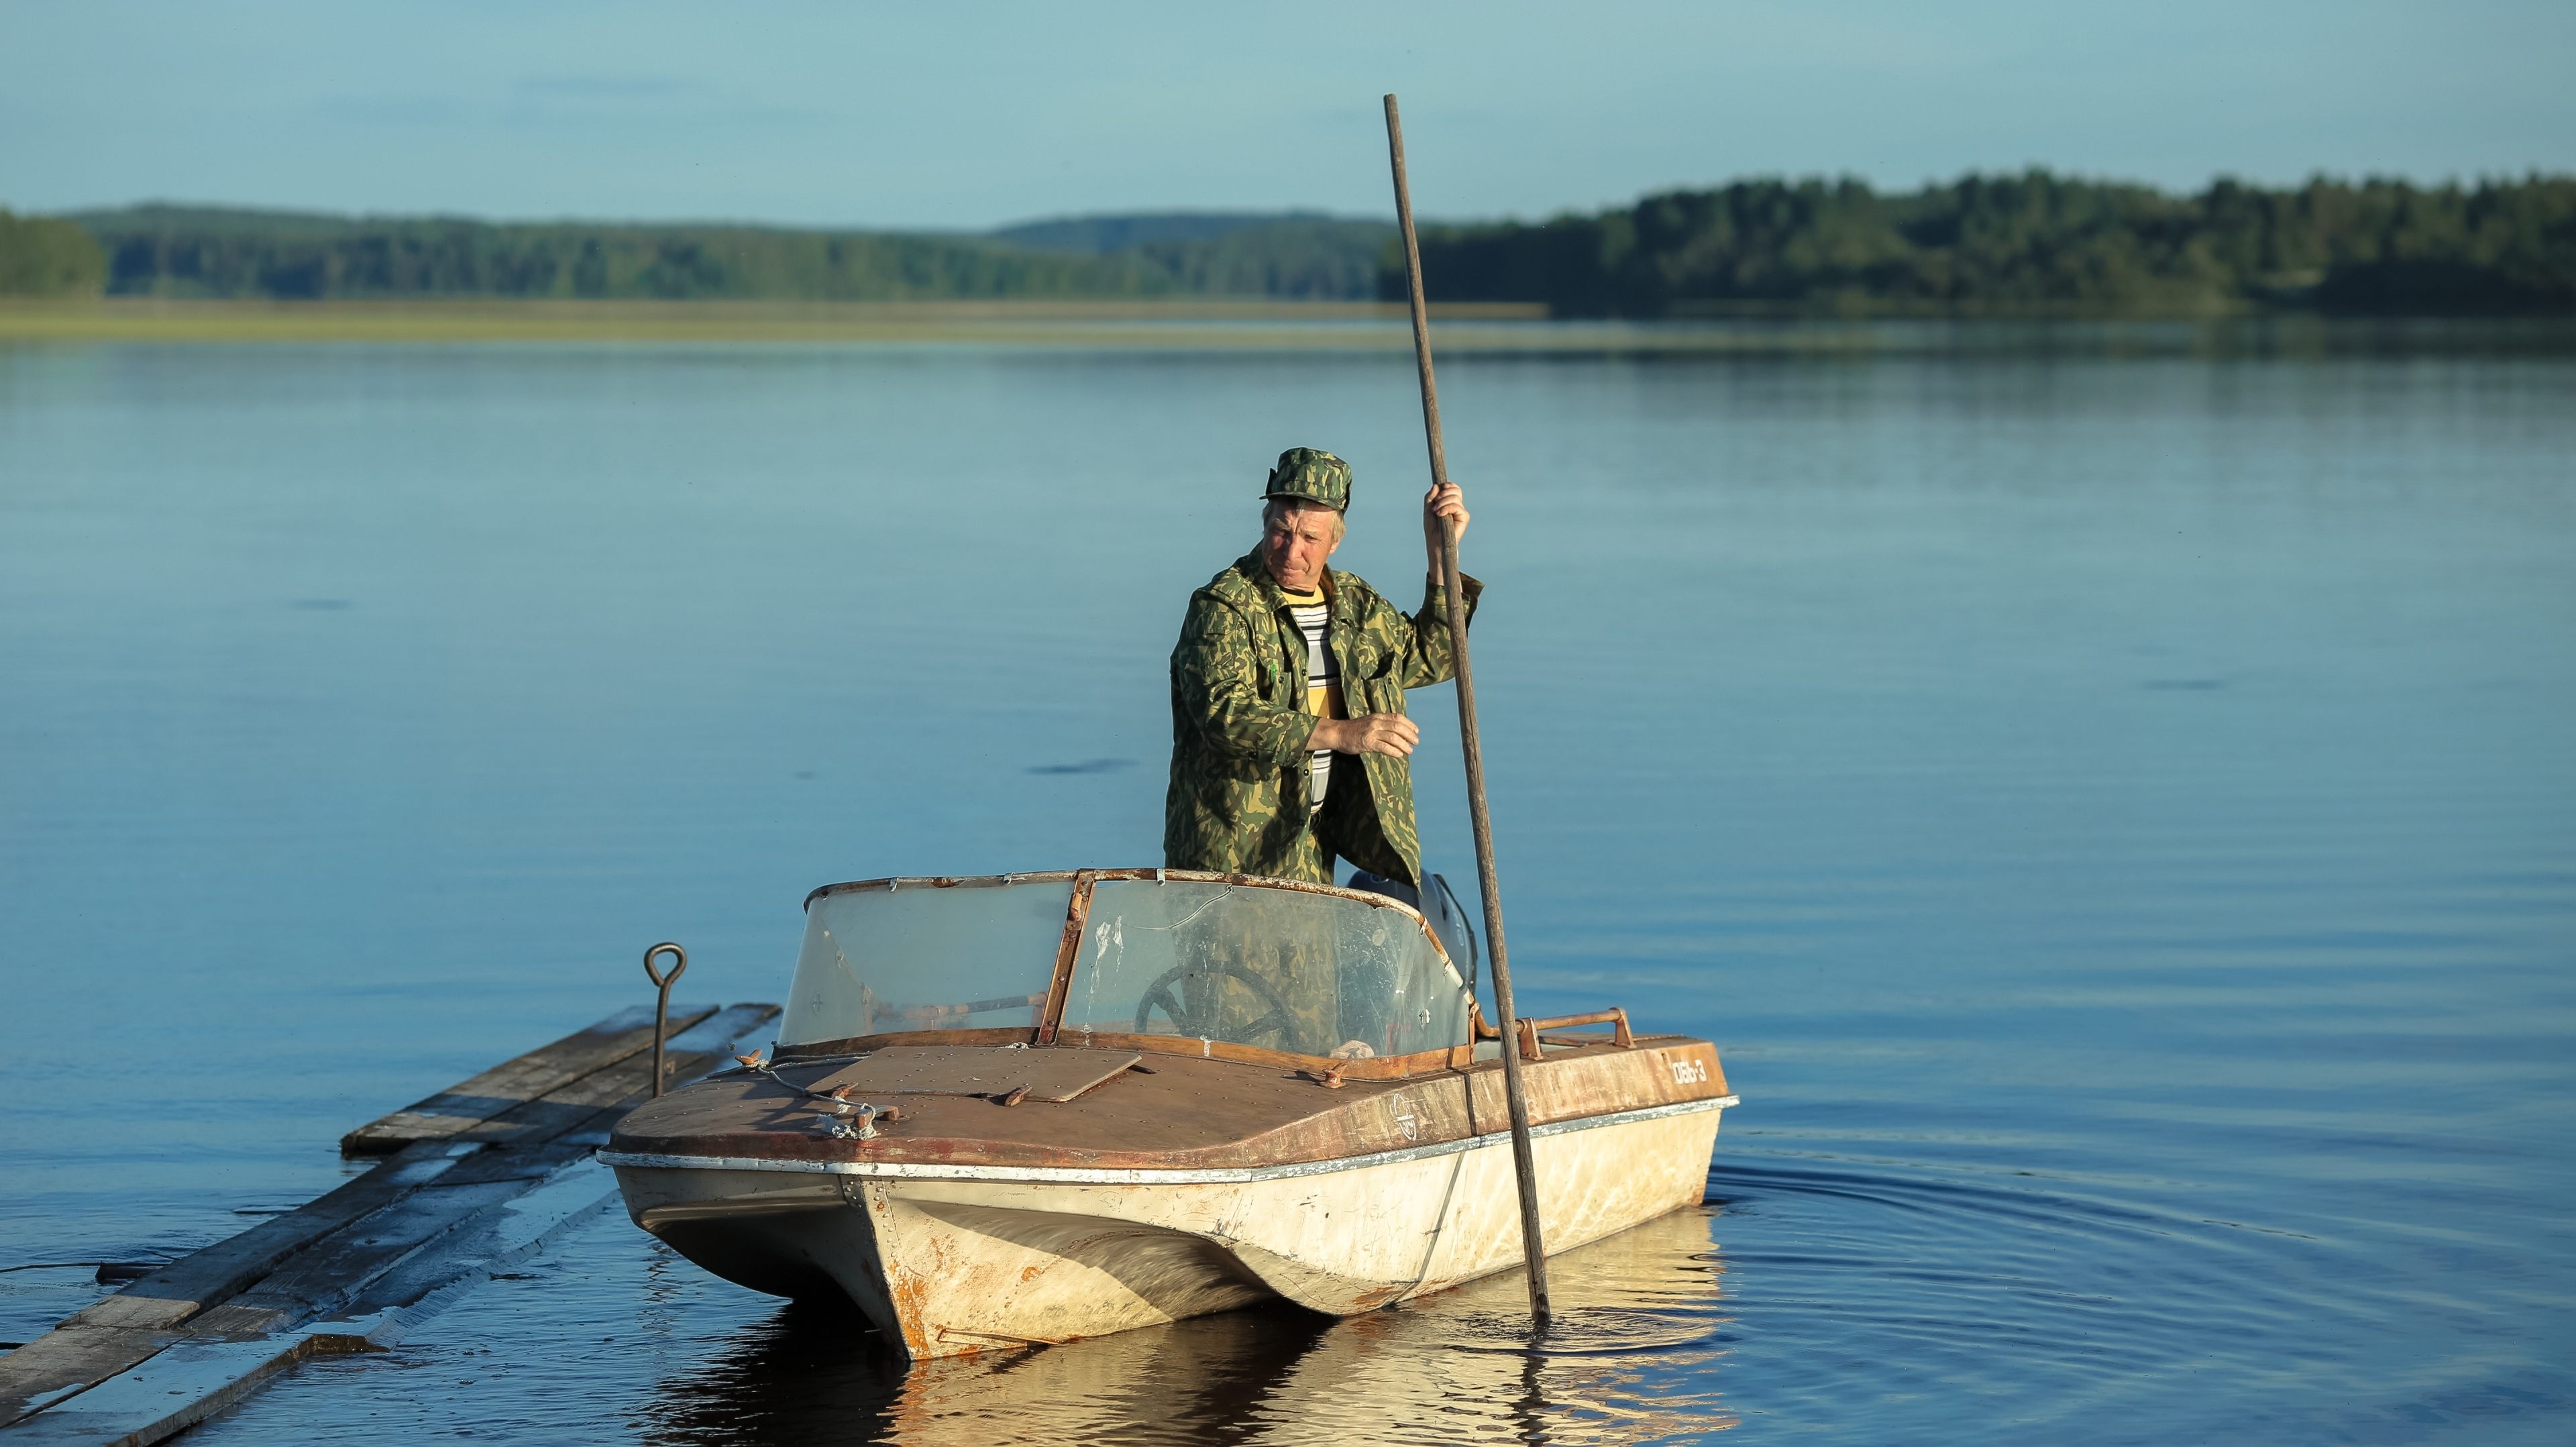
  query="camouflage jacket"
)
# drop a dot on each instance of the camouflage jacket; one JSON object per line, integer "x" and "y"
{"x": 1240, "y": 721}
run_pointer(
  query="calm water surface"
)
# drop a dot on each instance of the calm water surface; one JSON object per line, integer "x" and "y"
{"x": 2115, "y": 814}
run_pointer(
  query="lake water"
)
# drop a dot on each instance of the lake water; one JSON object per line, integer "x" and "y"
{"x": 2114, "y": 808}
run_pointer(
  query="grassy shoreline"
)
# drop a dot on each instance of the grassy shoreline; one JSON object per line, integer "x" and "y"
{"x": 1228, "y": 326}
{"x": 483, "y": 319}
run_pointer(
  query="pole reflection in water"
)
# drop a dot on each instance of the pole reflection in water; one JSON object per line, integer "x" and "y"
{"x": 1639, "y": 1331}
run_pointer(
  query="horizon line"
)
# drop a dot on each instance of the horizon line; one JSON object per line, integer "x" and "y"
{"x": 2450, "y": 181}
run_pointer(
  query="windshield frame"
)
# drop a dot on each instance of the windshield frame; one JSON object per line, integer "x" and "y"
{"x": 1068, "y": 950}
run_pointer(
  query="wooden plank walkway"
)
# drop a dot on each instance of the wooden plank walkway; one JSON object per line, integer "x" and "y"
{"x": 511, "y": 1083}
{"x": 484, "y": 1173}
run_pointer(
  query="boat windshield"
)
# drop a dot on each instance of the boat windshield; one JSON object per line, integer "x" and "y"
{"x": 1281, "y": 969}
{"x": 1314, "y": 974}
{"x": 964, "y": 956}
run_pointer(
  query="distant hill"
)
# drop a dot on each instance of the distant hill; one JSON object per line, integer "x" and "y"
{"x": 1101, "y": 235}
{"x": 190, "y": 251}
{"x": 2027, "y": 244}
{"x": 1298, "y": 255}
{"x": 1303, "y": 258}
{"x": 226, "y": 220}
{"x": 164, "y": 249}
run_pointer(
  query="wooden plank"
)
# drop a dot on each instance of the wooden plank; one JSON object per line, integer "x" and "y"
{"x": 113, "y": 1335}
{"x": 335, "y": 1274}
{"x": 568, "y": 1126}
{"x": 221, "y": 1320}
{"x": 621, "y": 1087}
{"x": 330, "y": 1275}
{"x": 196, "y": 1379}
{"x": 164, "y": 1396}
{"x": 179, "y": 1290}
{"x": 66, "y": 1360}
{"x": 515, "y": 1163}
{"x": 516, "y": 1081}
{"x": 493, "y": 1240}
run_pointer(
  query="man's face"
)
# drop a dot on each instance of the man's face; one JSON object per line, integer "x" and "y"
{"x": 1295, "y": 542}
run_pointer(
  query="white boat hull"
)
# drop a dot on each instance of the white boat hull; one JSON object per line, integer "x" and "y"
{"x": 950, "y": 1259}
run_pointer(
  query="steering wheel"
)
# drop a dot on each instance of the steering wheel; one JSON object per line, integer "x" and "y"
{"x": 1160, "y": 994}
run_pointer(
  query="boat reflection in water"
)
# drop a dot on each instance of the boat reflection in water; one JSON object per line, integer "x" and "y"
{"x": 1640, "y": 1329}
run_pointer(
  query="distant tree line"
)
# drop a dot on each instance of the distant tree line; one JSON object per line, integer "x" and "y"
{"x": 176, "y": 252}
{"x": 1298, "y": 258}
{"x": 1297, "y": 255}
{"x": 40, "y": 256}
{"x": 172, "y": 251}
{"x": 2032, "y": 243}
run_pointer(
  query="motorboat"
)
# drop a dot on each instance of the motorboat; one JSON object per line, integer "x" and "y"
{"x": 1014, "y": 1110}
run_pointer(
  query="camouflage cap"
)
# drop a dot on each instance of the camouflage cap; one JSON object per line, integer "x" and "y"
{"x": 1314, "y": 475}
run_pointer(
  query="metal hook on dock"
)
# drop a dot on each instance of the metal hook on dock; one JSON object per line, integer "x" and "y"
{"x": 662, "y": 1002}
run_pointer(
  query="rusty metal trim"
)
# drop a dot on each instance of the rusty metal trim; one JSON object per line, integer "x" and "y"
{"x": 937, "y": 881}
{"x": 1152, "y": 1175}
{"x": 1381, "y": 1067}
{"x": 1292, "y": 886}
{"x": 1385, "y": 1067}
{"x": 1614, "y": 1017}
{"x": 849, "y": 1045}
{"x": 662, "y": 984}
{"x": 1186, "y": 876}
{"x": 1077, "y": 916}
{"x": 1068, "y": 951}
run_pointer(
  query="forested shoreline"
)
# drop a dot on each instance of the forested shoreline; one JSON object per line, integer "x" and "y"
{"x": 2025, "y": 244}
{"x": 200, "y": 252}
{"x": 2033, "y": 243}
{"x": 45, "y": 256}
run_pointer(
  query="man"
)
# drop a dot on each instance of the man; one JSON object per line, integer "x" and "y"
{"x": 1289, "y": 737}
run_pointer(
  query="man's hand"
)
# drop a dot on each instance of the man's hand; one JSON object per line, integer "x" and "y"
{"x": 1441, "y": 506}
{"x": 1375, "y": 733}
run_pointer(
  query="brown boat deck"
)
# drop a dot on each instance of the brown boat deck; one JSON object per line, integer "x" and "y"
{"x": 1195, "y": 1112}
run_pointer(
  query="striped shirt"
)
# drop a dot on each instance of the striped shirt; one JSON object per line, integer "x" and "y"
{"x": 1323, "y": 684}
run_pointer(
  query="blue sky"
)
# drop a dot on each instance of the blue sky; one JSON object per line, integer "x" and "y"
{"x": 970, "y": 115}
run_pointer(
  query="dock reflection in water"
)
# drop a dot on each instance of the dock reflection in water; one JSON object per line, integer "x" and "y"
{"x": 1632, "y": 1358}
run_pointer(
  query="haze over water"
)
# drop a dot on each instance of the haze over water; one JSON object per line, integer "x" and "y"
{"x": 2113, "y": 808}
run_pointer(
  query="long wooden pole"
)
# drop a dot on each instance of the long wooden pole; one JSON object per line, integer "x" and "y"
{"x": 1524, "y": 1169}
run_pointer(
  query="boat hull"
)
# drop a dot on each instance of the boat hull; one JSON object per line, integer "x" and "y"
{"x": 949, "y": 1258}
